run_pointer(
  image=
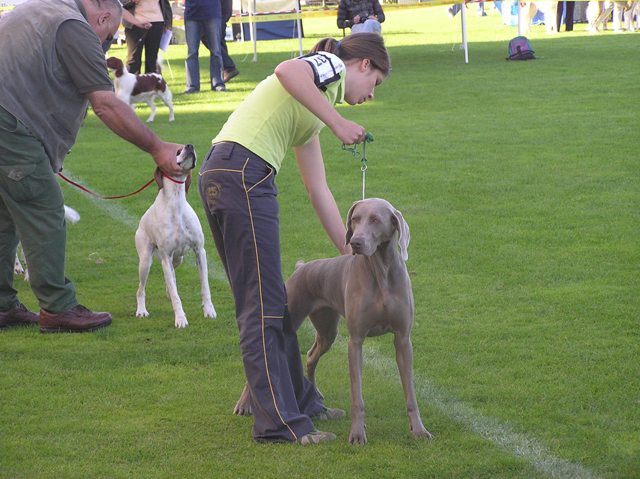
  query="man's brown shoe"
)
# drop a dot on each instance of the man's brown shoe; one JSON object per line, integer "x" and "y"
{"x": 75, "y": 320}
{"x": 17, "y": 316}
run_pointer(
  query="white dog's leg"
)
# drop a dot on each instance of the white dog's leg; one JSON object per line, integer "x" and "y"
{"x": 17, "y": 267}
{"x": 153, "y": 111}
{"x": 172, "y": 290}
{"x": 201, "y": 262}
{"x": 145, "y": 253}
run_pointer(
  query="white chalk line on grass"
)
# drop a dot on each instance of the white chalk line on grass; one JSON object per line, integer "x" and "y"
{"x": 121, "y": 215}
{"x": 499, "y": 433}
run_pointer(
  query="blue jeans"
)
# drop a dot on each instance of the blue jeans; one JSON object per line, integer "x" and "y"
{"x": 369, "y": 25}
{"x": 194, "y": 31}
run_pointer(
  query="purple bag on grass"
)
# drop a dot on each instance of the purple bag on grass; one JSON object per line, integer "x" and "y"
{"x": 520, "y": 49}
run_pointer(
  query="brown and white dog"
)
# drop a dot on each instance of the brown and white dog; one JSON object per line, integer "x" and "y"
{"x": 145, "y": 88}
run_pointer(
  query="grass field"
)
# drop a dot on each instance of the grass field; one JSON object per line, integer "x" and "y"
{"x": 520, "y": 182}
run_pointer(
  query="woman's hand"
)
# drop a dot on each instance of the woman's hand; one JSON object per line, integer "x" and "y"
{"x": 348, "y": 132}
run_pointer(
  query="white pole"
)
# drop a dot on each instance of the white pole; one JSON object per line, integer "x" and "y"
{"x": 465, "y": 47}
{"x": 253, "y": 29}
{"x": 520, "y": 19}
{"x": 299, "y": 24}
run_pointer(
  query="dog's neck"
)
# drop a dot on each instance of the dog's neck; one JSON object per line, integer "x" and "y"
{"x": 173, "y": 194}
{"x": 386, "y": 264}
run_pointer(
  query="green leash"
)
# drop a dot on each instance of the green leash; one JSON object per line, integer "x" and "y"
{"x": 363, "y": 162}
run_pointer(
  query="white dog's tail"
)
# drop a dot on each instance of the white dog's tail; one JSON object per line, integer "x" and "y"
{"x": 71, "y": 215}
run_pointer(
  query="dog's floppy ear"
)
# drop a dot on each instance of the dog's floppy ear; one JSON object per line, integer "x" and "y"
{"x": 403, "y": 233}
{"x": 187, "y": 183}
{"x": 158, "y": 176}
{"x": 348, "y": 224}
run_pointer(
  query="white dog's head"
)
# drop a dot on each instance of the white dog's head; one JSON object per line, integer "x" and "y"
{"x": 374, "y": 222}
{"x": 186, "y": 159}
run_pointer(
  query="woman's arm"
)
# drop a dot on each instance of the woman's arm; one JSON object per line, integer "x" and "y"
{"x": 309, "y": 157}
{"x": 296, "y": 76}
{"x": 128, "y": 17}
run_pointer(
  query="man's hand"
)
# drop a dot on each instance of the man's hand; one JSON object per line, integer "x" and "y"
{"x": 356, "y": 19}
{"x": 165, "y": 158}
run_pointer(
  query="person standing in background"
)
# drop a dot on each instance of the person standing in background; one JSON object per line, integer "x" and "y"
{"x": 158, "y": 14}
{"x": 203, "y": 21}
{"x": 568, "y": 15}
{"x": 229, "y": 68}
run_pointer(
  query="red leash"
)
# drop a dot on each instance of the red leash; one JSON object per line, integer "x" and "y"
{"x": 87, "y": 190}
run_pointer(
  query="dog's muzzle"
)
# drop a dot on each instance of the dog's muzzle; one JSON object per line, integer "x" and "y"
{"x": 187, "y": 157}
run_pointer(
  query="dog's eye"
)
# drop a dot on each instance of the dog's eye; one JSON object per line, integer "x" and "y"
{"x": 374, "y": 220}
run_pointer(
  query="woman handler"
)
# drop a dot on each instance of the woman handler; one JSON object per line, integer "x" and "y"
{"x": 238, "y": 191}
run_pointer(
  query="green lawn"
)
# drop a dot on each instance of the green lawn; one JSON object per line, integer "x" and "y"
{"x": 520, "y": 183}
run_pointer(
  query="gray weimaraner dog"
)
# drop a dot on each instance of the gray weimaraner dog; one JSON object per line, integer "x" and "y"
{"x": 372, "y": 290}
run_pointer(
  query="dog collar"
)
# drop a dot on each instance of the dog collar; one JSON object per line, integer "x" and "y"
{"x": 172, "y": 179}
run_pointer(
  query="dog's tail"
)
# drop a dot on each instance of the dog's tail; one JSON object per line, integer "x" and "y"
{"x": 71, "y": 215}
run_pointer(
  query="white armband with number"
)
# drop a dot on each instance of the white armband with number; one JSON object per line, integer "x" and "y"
{"x": 327, "y": 68}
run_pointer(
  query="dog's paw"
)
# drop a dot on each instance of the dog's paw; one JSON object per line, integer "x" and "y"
{"x": 209, "y": 311}
{"x": 243, "y": 408}
{"x": 421, "y": 432}
{"x": 181, "y": 322}
{"x": 142, "y": 313}
{"x": 357, "y": 435}
{"x": 17, "y": 268}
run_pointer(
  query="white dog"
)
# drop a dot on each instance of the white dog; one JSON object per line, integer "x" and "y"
{"x": 169, "y": 229}
{"x": 71, "y": 215}
{"x": 145, "y": 88}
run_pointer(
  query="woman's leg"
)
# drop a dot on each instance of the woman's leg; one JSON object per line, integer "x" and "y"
{"x": 151, "y": 46}
{"x": 239, "y": 196}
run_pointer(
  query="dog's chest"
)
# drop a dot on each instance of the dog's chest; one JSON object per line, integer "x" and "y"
{"x": 172, "y": 223}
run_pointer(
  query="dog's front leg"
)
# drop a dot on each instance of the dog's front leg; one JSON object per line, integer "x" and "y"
{"x": 145, "y": 255}
{"x": 357, "y": 434}
{"x": 17, "y": 266}
{"x": 243, "y": 406}
{"x": 203, "y": 271}
{"x": 172, "y": 290}
{"x": 404, "y": 359}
